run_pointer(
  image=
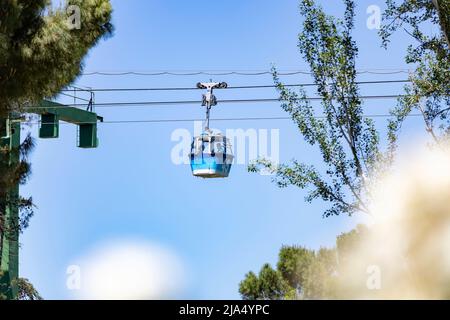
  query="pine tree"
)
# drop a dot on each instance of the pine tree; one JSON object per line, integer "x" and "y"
{"x": 267, "y": 285}
{"x": 41, "y": 52}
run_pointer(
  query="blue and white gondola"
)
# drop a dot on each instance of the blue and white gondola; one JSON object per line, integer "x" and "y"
{"x": 211, "y": 156}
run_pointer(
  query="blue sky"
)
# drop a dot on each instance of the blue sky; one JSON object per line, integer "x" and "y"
{"x": 129, "y": 187}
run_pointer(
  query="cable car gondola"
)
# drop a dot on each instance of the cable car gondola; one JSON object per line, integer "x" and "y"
{"x": 211, "y": 154}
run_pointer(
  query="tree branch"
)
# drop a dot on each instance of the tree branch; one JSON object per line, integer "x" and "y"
{"x": 429, "y": 126}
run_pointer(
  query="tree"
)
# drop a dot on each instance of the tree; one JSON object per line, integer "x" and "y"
{"x": 249, "y": 287}
{"x": 293, "y": 263}
{"x": 27, "y": 291}
{"x": 304, "y": 273}
{"x": 41, "y": 52}
{"x": 268, "y": 285}
{"x": 443, "y": 10}
{"x": 321, "y": 276}
{"x": 429, "y": 91}
{"x": 348, "y": 142}
{"x": 347, "y": 243}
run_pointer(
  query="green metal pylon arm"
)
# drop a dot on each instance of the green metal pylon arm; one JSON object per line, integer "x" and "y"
{"x": 9, "y": 237}
{"x": 64, "y": 113}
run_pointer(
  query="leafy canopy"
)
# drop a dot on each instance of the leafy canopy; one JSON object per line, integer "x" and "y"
{"x": 348, "y": 142}
{"x": 40, "y": 53}
{"x": 429, "y": 91}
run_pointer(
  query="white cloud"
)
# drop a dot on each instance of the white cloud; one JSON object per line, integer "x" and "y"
{"x": 130, "y": 269}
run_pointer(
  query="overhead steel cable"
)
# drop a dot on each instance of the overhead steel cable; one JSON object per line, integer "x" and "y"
{"x": 185, "y": 102}
{"x": 217, "y": 119}
{"x": 74, "y": 97}
{"x": 231, "y": 87}
{"x": 229, "y": 73}
{"x": 315, "y": 85}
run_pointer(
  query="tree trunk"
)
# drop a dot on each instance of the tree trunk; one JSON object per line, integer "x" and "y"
{"x": 442, "y": 8}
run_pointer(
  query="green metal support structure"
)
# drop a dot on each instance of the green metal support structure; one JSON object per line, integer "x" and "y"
{"x": 51, "y": 113}
{"x": 9, "y": 265}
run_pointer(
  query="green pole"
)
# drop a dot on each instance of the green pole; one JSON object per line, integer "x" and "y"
{"x": 10, "y": 140}
{"x": 10, "y": 235}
